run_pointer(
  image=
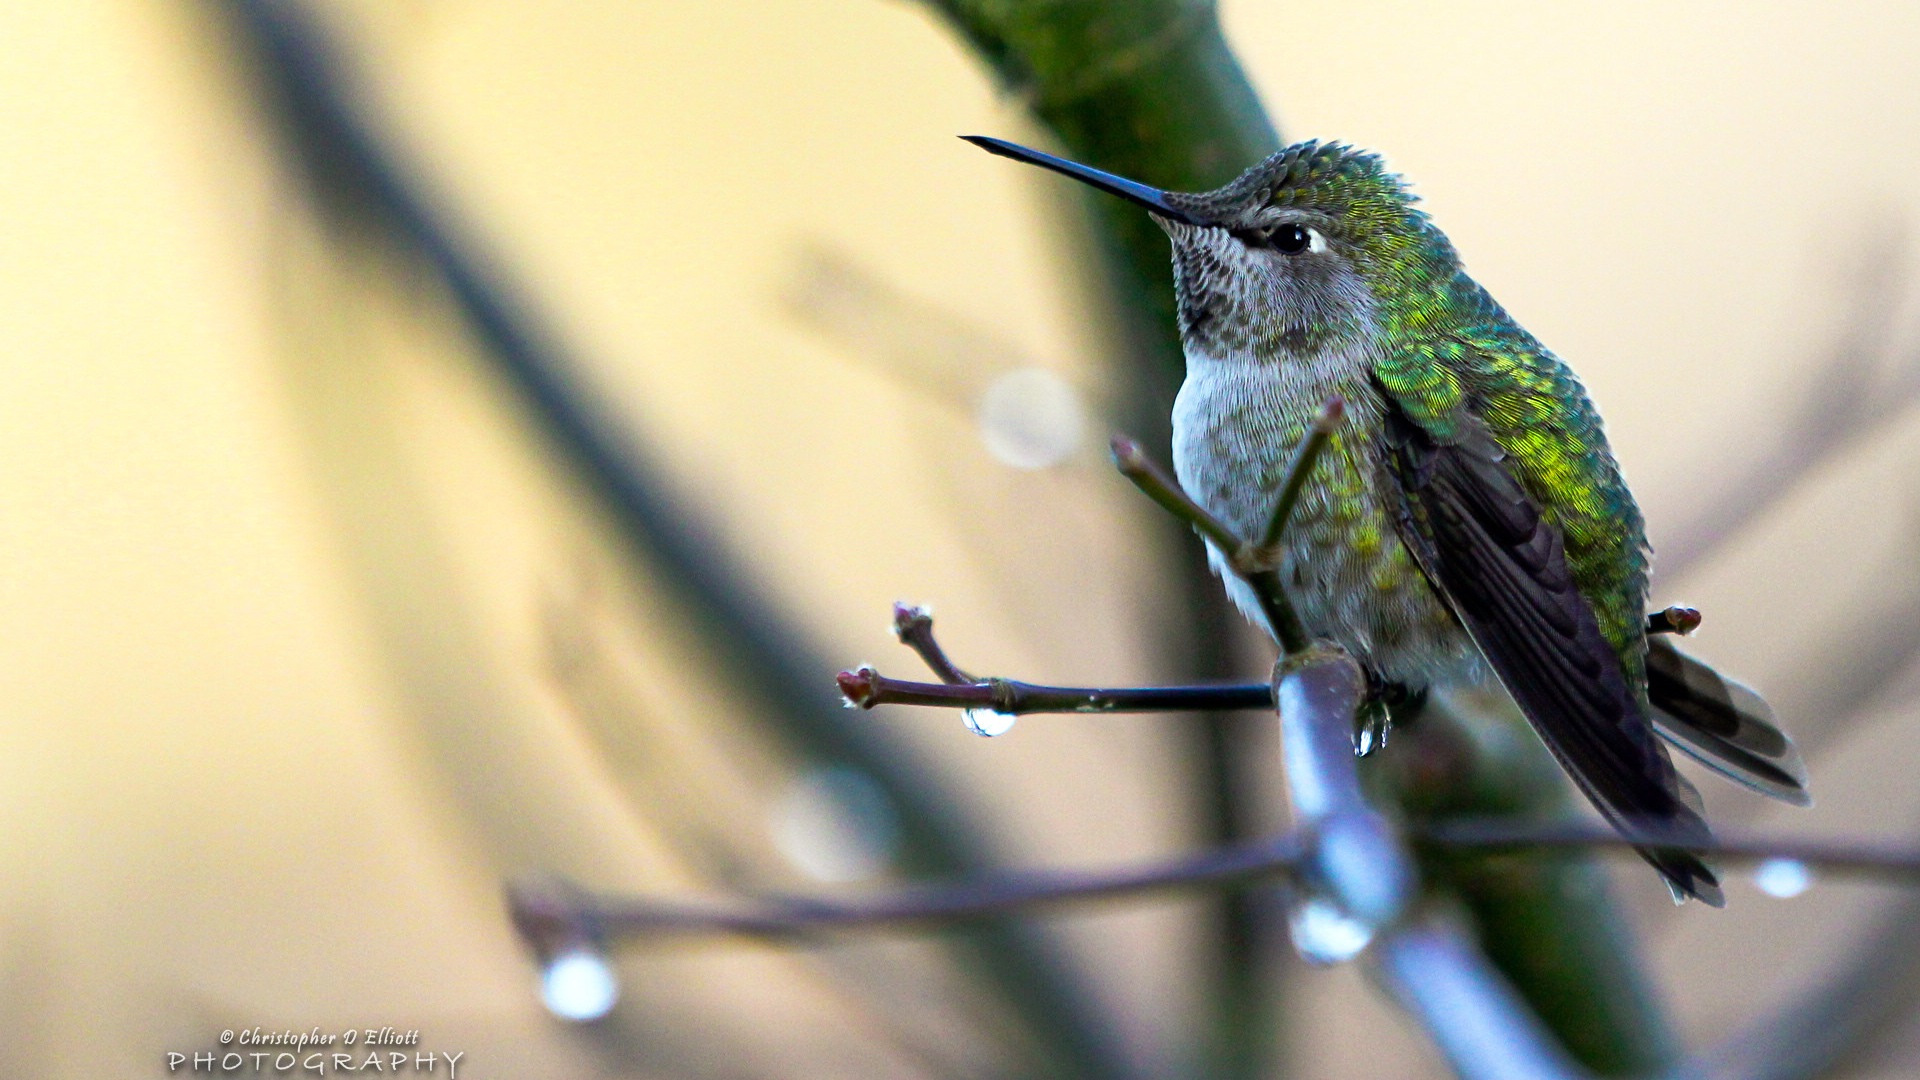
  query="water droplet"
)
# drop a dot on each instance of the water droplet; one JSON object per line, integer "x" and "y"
{"x": 1370, "y": 729}
{"x": 579, "y": 985}
{"x": 1783, "y": 878}
{"x": 835, "y": 823}
{"x": 1324, "y": 934}
{"x": 1031, "y": 418}
{"x": 987, "y": 722}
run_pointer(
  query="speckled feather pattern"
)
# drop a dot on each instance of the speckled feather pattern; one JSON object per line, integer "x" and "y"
{"x": 1268, "y": 343}
{"x": 1349, "y": 575}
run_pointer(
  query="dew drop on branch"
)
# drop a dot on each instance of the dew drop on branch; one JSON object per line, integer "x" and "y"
{"x": 1323, "y": 934}
{"x": 987, "y": 722}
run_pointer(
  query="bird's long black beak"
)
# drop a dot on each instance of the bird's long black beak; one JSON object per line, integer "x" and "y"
{"x": 1131, "y": 190}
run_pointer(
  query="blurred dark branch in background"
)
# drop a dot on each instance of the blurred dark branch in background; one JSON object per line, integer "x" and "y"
{"x": 371, "y": 195}
{"x": 1550, "y": 921}
{"x": 556, "y": 914}
{"x": 1150, "y": 89}
{"x": 1869, "y": 380}
{"x": 546, "y": 913}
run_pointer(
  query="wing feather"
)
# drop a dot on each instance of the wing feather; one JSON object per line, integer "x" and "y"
{"x": 1503, "y": 568}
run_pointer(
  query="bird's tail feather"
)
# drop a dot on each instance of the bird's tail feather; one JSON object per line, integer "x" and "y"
{"x": 1722, "y": 725}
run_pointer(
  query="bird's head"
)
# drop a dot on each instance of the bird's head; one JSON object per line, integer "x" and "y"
{"x": 1297, "y": 254}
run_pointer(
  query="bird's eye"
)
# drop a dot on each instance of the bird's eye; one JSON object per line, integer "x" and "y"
{"x": 1294, "y": 238}
{"x": 1289, "y": 239}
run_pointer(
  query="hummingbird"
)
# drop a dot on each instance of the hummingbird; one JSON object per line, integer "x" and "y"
{"x": 1467, "y": 522}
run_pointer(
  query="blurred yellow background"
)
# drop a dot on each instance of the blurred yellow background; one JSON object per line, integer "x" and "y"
{"x": 309, "y": 647}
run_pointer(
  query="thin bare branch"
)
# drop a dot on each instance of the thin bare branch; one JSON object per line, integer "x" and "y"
{"x": 1846, "y": 857}
{"x": 1304, "y": 458}
{"x": 1136, "y": 466}
{"x": 1259, "y": 564}
{"x": 913, "y": 625}
{"x": 865, "y": 688}
{"x": 547, "y": 915}
{"x": 555, "y": 915}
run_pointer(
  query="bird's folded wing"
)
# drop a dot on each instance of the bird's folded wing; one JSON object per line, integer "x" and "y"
{"x": 1486, "y": 547}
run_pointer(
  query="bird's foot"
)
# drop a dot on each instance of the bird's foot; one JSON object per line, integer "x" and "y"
{"x": 1388, "y": 703}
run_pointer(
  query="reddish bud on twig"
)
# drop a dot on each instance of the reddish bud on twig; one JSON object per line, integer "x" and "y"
{"x": 908, "y": 617}
{"x": 857, "y": 686}
{"x": 1674, "y": 620}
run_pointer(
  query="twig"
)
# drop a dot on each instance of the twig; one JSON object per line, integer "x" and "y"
{"x": 1838, "y": 856}
{"x": 1304, "y": 458}
{"x": 1134, "y": 464}
{"x": 1256, "y": 562}
{"x": 547, "y": 916}
{"x": 865, "y": 688}
{"x": 1260, "y": 565}
{"x": 553, "y": 915}
{"x": 914, "y": 627}
{"x": 543, "y": 915}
